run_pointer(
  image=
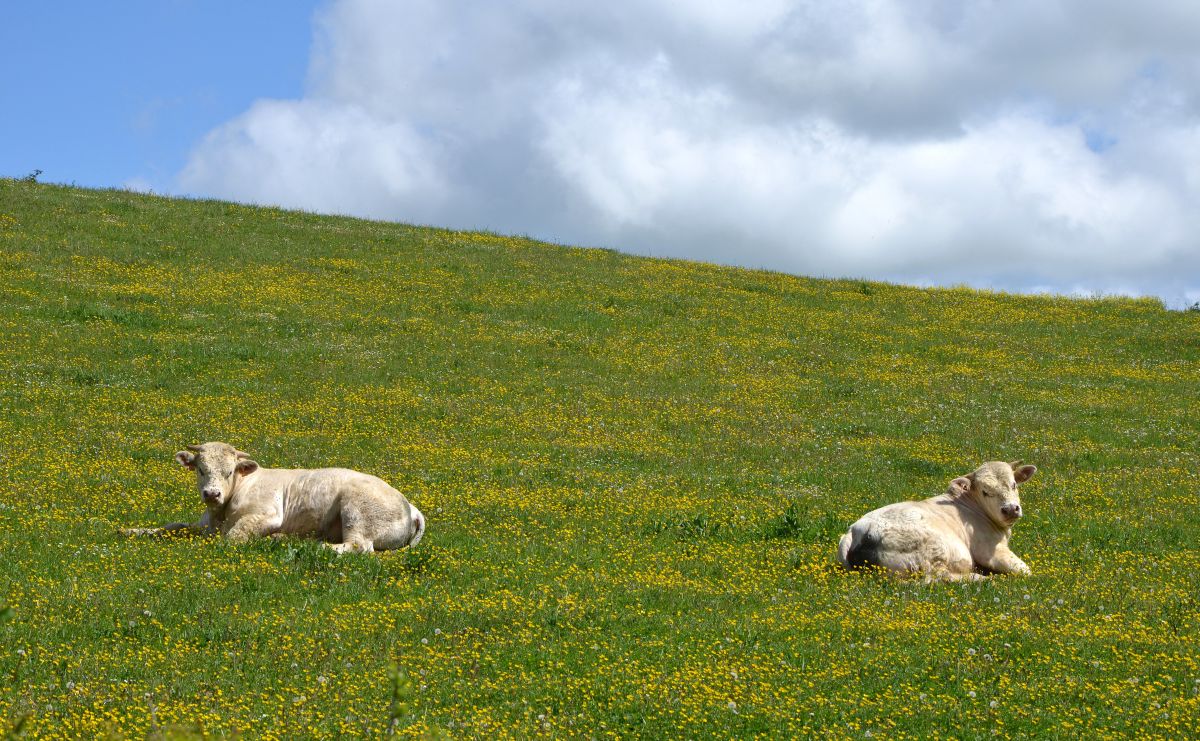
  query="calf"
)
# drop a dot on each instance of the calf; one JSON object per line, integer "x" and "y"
{"x": 346, "y": 509}
{"x": 953, "y": 536}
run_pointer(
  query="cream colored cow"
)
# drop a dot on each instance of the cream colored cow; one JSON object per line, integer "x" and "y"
{"x": 346, "y": 509}
{"x": 953, "y": 536}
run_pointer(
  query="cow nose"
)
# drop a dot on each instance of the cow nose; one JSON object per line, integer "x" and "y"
{"x": 211, "y": 495}
{"x": 1011, "y": 510}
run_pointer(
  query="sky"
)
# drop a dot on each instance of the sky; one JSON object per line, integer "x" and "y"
{"x": 1026, "y": 145}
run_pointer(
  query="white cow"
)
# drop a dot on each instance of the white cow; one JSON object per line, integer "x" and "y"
{"x": 346, "y": 509}
{"x": 953, "y": 536}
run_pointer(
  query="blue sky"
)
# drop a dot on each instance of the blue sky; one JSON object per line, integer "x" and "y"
{"x": 1029, "y": 145}
{"x": 100, "y": 94}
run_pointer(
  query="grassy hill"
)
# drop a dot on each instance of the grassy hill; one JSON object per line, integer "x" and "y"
{"x": 635, "y": 472}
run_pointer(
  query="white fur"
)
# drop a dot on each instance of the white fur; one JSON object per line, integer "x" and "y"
{"x": 349, "y": 510}
{"x": 953, "y": 536}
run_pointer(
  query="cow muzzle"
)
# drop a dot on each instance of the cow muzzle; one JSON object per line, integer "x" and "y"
{"x": 211, "y": 496}
{"x": 1011, "y": 511}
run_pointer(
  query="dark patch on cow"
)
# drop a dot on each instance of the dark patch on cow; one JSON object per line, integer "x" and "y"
{"x": 865, "y": 552}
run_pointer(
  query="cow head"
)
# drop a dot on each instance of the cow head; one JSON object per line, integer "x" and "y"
{"x": 217, "y": 466}
{"x": 994, "y": 486}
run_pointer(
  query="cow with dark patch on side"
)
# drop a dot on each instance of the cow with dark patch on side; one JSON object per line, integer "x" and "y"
{"x": 959, "y": 535}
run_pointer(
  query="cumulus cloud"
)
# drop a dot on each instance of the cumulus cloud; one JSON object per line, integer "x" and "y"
{"x": 320, "y": 156}
{"x": 1027, "y": 145}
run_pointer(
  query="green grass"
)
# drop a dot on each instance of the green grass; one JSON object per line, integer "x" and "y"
{"x": 635, "y": 473}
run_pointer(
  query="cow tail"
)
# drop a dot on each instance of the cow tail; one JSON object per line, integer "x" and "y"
{"x": 420, "y": 529}
{"x": 860, "y": 547}
{"x": 845, "y": 546}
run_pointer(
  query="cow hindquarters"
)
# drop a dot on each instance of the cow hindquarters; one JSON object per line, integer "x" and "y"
{"x": 906, "y": 547}
{"x": 861, "y": 546}
{"x": 403, "y": 531}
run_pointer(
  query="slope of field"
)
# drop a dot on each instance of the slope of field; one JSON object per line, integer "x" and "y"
{"x": 635, "y": 472}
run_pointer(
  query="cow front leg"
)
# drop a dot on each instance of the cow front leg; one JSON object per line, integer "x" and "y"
{"x": 191, "y": 528}
{"x": 252, "y": 527}
{"x": 951, "y": 576}
{"x": 1004, "y": 561}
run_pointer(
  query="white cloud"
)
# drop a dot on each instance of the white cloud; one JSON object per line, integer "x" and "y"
{"x": 1024, "y": 145}
{"x": 319, "y": 156}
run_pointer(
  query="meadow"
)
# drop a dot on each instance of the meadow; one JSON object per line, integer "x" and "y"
{"x": 635, "y": 472}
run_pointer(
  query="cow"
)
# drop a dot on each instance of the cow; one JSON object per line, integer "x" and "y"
{"x": 348, "y": 510}
{"x": 956, "y": 536}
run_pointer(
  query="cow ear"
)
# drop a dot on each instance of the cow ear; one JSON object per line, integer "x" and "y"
{"x": 1024, "y": 473}
{"x": 960, "y": 485}
{"x": 186, "y": 459}
{"x": 246, "y": 466}
{"x": 240, "y": 455}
